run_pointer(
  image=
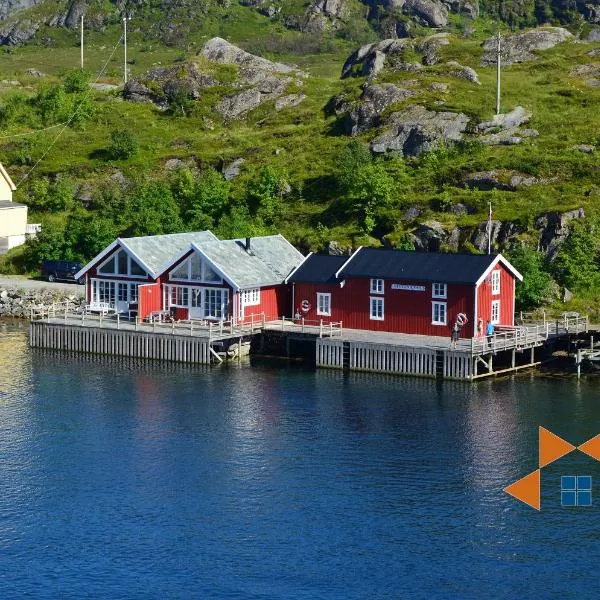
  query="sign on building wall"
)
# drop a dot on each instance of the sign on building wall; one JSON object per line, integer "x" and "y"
{"x": 408, "y": 288}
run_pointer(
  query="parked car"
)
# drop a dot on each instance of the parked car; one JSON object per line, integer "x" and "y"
{"x": 55, "y": 270}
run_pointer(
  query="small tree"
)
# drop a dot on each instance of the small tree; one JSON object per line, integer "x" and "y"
{"x": 76, "y": 81}
{"x": 576, "y": 264}
{"x": 123, "y": 145}
{"x": 534, "y": 290}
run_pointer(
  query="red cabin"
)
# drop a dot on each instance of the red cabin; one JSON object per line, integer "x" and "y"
{"x": 237, "y": 280}
{"x": 406, "y": 292}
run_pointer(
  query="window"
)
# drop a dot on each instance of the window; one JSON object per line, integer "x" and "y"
{"x": 376, "y": 309}
{"x": 324, "y": 304}
{"x": 120, "y": 263}
{"x": 495, "y": 312}
{"x": 576, "y": 490}
{"x": 376, "y": 286}
{"x": 195, "y": 269}
{"x": 251, "y": 297}
{"x": 122, "y": 290}
{"x": 216, "y": 303}
{"x": 133, "y": 292}
{"x": 108, "y": 268}
{"x": 178, "y": 296}
{"x": 438, "y": 313}
{"x": 439, "y": 290}
{"x": 495, "y": 282}
{"x": 103, "y": 291}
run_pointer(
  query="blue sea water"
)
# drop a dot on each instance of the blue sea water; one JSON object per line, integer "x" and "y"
{"x": 124, "y": 479}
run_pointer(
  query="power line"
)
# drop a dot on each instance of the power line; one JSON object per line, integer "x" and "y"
{"x": 68, "y": 122}
{"x": 14, "y": 135}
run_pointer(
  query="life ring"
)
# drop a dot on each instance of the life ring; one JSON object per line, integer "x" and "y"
{"x": 305, "y": 306}
{"x": 462, "y": 319}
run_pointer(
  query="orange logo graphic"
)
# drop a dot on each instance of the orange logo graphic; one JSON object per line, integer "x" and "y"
{"x": 551, "y": 448}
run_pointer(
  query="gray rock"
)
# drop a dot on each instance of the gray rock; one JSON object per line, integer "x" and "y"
{"x": 461, "y": 72}
{"x": 437, "y": 86}
{"x": 103, "y": 87}
{"x": 35, "y": 73}
{"x": 364, "y": 60}
{"x": 429, "y": 236}
{"x": 567, "y": 295}
{"x": 416, "y": 130}
{"x": 412, "y": 213}
{"x": 174, "y": 163}
{"x": 270, "y": 11}
{"x": 517, "y": 116}
{"x": 485, "y": 181}
{"x": 222, "y": 52}
{"x": 594, "y": 35}
{"x": 592, "y": 13}
{"x": 73, "y": 17}
{"x": 134, "y": 91}
{"x": 464, "y": 7}
{"x": 320, "y": 13}
{"x": 460, "y": 209}
{"x": 374, "y": 100}
{"x": 232, "y": 170}
{"x": 593, "y": 53}
{"x": 554, "y": 228}
{"x": 430, "y": 46}
{"x": 521, "y": 47}
{"x": 9, "y": 7}
{"x": 235, "y": 106}
{"x": 504, "y": 138}
{"x": 430, "y": 13}
{"x": 333, "y": 248}
{"x": 585, "y": 148}
{"x": 289, "y": 100}
{"x": 17, "y": 33}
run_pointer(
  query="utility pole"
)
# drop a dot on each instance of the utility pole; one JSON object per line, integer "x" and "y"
{"x": 82, "y": 42}
{"x": 498, "y": 64}
{"x": 125, "y": 19}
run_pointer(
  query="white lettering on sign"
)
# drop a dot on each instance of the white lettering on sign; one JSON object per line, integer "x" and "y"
{"x": 409, "y": 288}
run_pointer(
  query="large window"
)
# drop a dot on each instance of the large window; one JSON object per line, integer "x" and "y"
{"x": 251, "y": 297}
{"x": 439, "y": 290}
{"x": 438, "y": 313}
{"x": 495, "y": 312}
{"x": 376, "y": 313}
{"x": 104, "y": 291}
{"x": 495, "y": 282}
{"x": 195, "y": 269}
{"x": 324, "y": 304}
{"x": 120, "y": 263}
{"x": 216, "y": 302}
{"x": 377, "y": 286}
{"x": 179, "y": 296}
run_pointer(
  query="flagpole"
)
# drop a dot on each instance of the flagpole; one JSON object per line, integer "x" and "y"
{"x": 489, "y": 228}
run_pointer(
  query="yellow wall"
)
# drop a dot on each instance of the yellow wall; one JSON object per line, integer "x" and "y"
{"x": 13, "y": 220}
{"x": 5, "y": 191}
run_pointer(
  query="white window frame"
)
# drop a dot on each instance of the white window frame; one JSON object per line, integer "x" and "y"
{"x": 496, "y": 306}
{"x": 115, "y": 272}
{"x": 376, "y": 301}
{"x": 325, "y": 310}
{"x": 439, "y": 290}
{"x": 251, "y": 297}
{"x": 204, "y": 268}
{"x": 496, "y": 282}
{"x": 438, "y": 321}
{"x": 377, "y": 286}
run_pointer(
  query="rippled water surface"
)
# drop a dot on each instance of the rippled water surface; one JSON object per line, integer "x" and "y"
{"x": 122, "y": 479}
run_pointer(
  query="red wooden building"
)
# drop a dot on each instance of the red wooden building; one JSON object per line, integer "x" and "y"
{"x": 237, "y": 280}
{"x": 406, "y": 292}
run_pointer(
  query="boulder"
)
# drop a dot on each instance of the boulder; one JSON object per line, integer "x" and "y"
{"x": 35, "y": 73}
{"x": 437, "y": 86}
{"x": 431, "y": 13}
{"x": 134, "y": 91}
{"x": 594, "y": 35}
{"x": 333, "y": 248}
{"x": 235, "y": 106}
{"x": 486, "y": 180}
{"x": 516, "y": 117}
{"x": 289, "y": 100}
{"x": 374, "y": 100}
{"x": 366, "y": 61}
{"x": 232, "y": 170}
{"x": 320, "y": 13}
{"x": 429, "y": 236}
{"x": 461, "y": 72}
{"x": 585, "y": 148}
{"x": 463, "y": 7}
{"x": 17, "y": 33}
{"x": 522, "y": 46}
{"x": 416, "y": 130}
{"x": 430, "y": 45}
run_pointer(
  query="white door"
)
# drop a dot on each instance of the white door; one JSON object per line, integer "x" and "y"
{"x": 122, "y": 304}
{"x": 196, "y": 311}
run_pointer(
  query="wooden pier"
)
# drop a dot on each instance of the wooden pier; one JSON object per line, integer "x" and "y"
{"x": 509, "y": 350}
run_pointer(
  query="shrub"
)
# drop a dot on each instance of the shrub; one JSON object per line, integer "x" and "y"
{"x": 123, "y": 145}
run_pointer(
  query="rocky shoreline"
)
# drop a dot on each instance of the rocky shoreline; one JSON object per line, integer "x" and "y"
{"x": 19, "y": 303}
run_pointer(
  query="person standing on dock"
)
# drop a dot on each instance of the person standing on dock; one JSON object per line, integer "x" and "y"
{"x": 455, "y": 334}
{"x": 479, "y": 326}
{"x": 489, "y": 331}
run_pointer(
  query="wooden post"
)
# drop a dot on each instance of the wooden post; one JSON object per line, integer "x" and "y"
{"x": 173, "y": 327}
{"x": 302, "y": 324}
{"x": 592, "y": 343}
{"x": 263, "y": 319}
{"x": 118, "y": 321}
{"x": 136, "y": 322}
{"x": 282, "y": 323}
{"x": 532, "y": 355}
{"x": 321, "y": 328}
{"x": 513, "y": 359}
{"x": 578, "y": 363}
{"x": 490, "y": 366}
{"x": 191, "y": 328}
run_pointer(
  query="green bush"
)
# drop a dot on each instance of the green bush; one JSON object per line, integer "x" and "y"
{"x": 123, "y": 145}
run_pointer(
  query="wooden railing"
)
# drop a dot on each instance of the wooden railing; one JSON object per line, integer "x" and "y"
{"x": 302, "y": 325}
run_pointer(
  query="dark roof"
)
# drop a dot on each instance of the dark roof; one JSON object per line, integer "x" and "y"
{"x": 318, "y": 268}
{"x": 418, "y": 266}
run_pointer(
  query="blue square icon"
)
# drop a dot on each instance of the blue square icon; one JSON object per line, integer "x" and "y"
{"x": 568, "y": 498}
{"x": 576, "y": 490}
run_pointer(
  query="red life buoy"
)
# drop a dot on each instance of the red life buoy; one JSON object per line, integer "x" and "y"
{"x": 305, "y": 306}
{"x": 462, "y": 319}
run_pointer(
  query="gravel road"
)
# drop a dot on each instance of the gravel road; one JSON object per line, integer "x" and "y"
{"x": 15, "y": 281}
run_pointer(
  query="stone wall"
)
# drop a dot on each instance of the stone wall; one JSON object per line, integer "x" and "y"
{"x": 19, "y": 303}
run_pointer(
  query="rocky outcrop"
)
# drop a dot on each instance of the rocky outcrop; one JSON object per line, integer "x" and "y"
{"x": 522, "y": 47}
{"x": 232, "y": 170}
{"x": 590, "y": 73}
{"x": 289, "y": 100}
{"x": 19, "y": 303}
{"x": 375, "y": 99}
{"x": 554, "y": 228}
{"x": 594, "y": 35}
{"x": 416, "y": 130}
{"x": 461, "y": 72}
{"x": 504, "y": 129}
{"x": 370, "y": 59}
{"x": 431, "y": 13}
{"x": 467, "y": 8}
{"x": 429, "y": 47}
{"x": 502, "y": 180}
{"x": 9, "y": 7}
{"x": 323, "y": 13}
{"x": 17, "y": 33}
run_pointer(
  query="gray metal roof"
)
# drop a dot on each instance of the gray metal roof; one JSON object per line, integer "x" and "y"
{"x": 270, "y": 260}
{"x": 158, "y": 250}
{"x": 10, "y": 204}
